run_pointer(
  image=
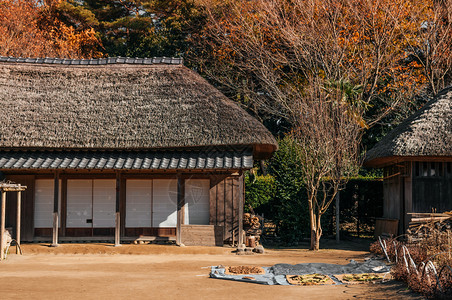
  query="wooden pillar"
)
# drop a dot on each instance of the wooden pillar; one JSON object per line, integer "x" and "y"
{"x": 18, "y": 222}
{"x": 63, "y": 208}
{"x": 180, "y": 209}
{"x": 118, "y": 214}
{"x": 56, "y": 192}
{"x": 241, "y": 194}
{"x": 2, "y": 226}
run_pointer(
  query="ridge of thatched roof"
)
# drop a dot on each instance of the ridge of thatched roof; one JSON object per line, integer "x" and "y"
{"x": 118, "y": 106}
{"x": 94, "y": 61}
{"x": 427, "y": 133}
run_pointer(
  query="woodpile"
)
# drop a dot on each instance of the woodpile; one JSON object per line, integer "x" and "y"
{"x": 253, "y": 229}
{"x": 423, "y": 222}
{"x": 251, "y": 223}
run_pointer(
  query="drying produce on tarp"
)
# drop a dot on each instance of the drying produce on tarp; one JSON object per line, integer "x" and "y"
{"x": 243, "y": 270}
{"x": 306, "y": 273}
{"x": 359, "y": 278}
{"x": 309, "y": 279}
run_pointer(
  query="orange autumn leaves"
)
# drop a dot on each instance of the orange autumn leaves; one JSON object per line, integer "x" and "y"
{"x": 31, "y": 28}
{"x": 383, "y": 46}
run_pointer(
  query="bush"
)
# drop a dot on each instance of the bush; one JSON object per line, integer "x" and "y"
{"x": 289, "y": 208}
{"x": 259, "y": 193}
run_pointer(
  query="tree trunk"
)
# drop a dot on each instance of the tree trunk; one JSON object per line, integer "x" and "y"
{"x": 316, "y": 234}
{"x": 312, "y": 222}
{"x": 314, "y": 240}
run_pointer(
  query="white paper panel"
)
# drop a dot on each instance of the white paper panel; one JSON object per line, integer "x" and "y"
{"x": 164, "y": 213}
{"x": 104, "y": 203}
{"x": 79, "y": 203}
{"x": 43, "y": 217}
{"x": 197, "y": 197}
{"x": 138, "y": 203}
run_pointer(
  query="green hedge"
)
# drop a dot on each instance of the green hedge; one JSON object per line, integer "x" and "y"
{"x": 259, "y": 193}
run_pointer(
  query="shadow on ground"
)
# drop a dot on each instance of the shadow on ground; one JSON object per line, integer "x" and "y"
{"x": 351, "y": 244}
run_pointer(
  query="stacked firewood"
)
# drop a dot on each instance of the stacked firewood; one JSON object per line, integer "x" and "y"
{"x": 251, "y": 224}
{"x": 252, "y": 228}
{"x": 421, "y": 223}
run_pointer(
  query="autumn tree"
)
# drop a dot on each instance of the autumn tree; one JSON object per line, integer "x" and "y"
{"x": 19, "y": 33}
{"x": 283, "y": 58}
{"x": 31, "y": 28}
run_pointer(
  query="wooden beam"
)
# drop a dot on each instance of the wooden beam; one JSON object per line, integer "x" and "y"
{"x": 2, "y": 226}
{"x": 118, "y": 213}
{"x": 6, "y": 189}
{"x": 19, "y": 196}
{"x": 56, "y": 192}
{"x": 180, "y": 209}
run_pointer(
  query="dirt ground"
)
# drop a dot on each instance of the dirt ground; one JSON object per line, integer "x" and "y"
{"x": 100, "y": 271}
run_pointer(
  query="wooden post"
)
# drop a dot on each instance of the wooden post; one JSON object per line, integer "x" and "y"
{"x": 63, "y": 207}
{"x": 118, "y": 214}
{"x": 56, "y": 192}
{"x": 338, "y": 239}
{"x": 117, "y": 229}
{"x": 18, "y": 222}
{"x": 2, "y": 226}
{"x": 180, "y": 209}
{"x": 240, "y": 195}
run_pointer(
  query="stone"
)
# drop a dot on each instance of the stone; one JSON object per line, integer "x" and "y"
{"x": 259, "y": 249}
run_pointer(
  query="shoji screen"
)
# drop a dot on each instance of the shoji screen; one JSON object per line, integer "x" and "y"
{"x": 104, "y": 203}
{"x": 79, "y": 203}
{"x": 197, "y": 201}
{"x": 164, "y": 213}
{"x": 138, "y": 203}
{"x": 43, "y": 217}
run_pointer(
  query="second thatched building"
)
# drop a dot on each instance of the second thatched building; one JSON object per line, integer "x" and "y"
{"x": 417, "y": 161}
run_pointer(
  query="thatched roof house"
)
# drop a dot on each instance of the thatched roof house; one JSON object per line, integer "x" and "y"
{"x": 417, "y": 158}
{"x": 123, "y": 120}
{"x": 427, "y": 133}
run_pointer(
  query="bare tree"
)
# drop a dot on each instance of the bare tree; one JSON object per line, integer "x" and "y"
{"x": 327, "y": 141}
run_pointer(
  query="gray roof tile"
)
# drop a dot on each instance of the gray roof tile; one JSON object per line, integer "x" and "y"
{"x": 95, "y": 61}
{"x": 131, "y": 160}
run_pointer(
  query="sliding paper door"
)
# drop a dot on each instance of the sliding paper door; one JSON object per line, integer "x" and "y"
{"x": 79, "y": 203}
{"x": 138, "y": 203}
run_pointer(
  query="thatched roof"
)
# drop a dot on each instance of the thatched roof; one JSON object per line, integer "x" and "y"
{"x": 426, "y": 134}
{"x": 118, "y": 104}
